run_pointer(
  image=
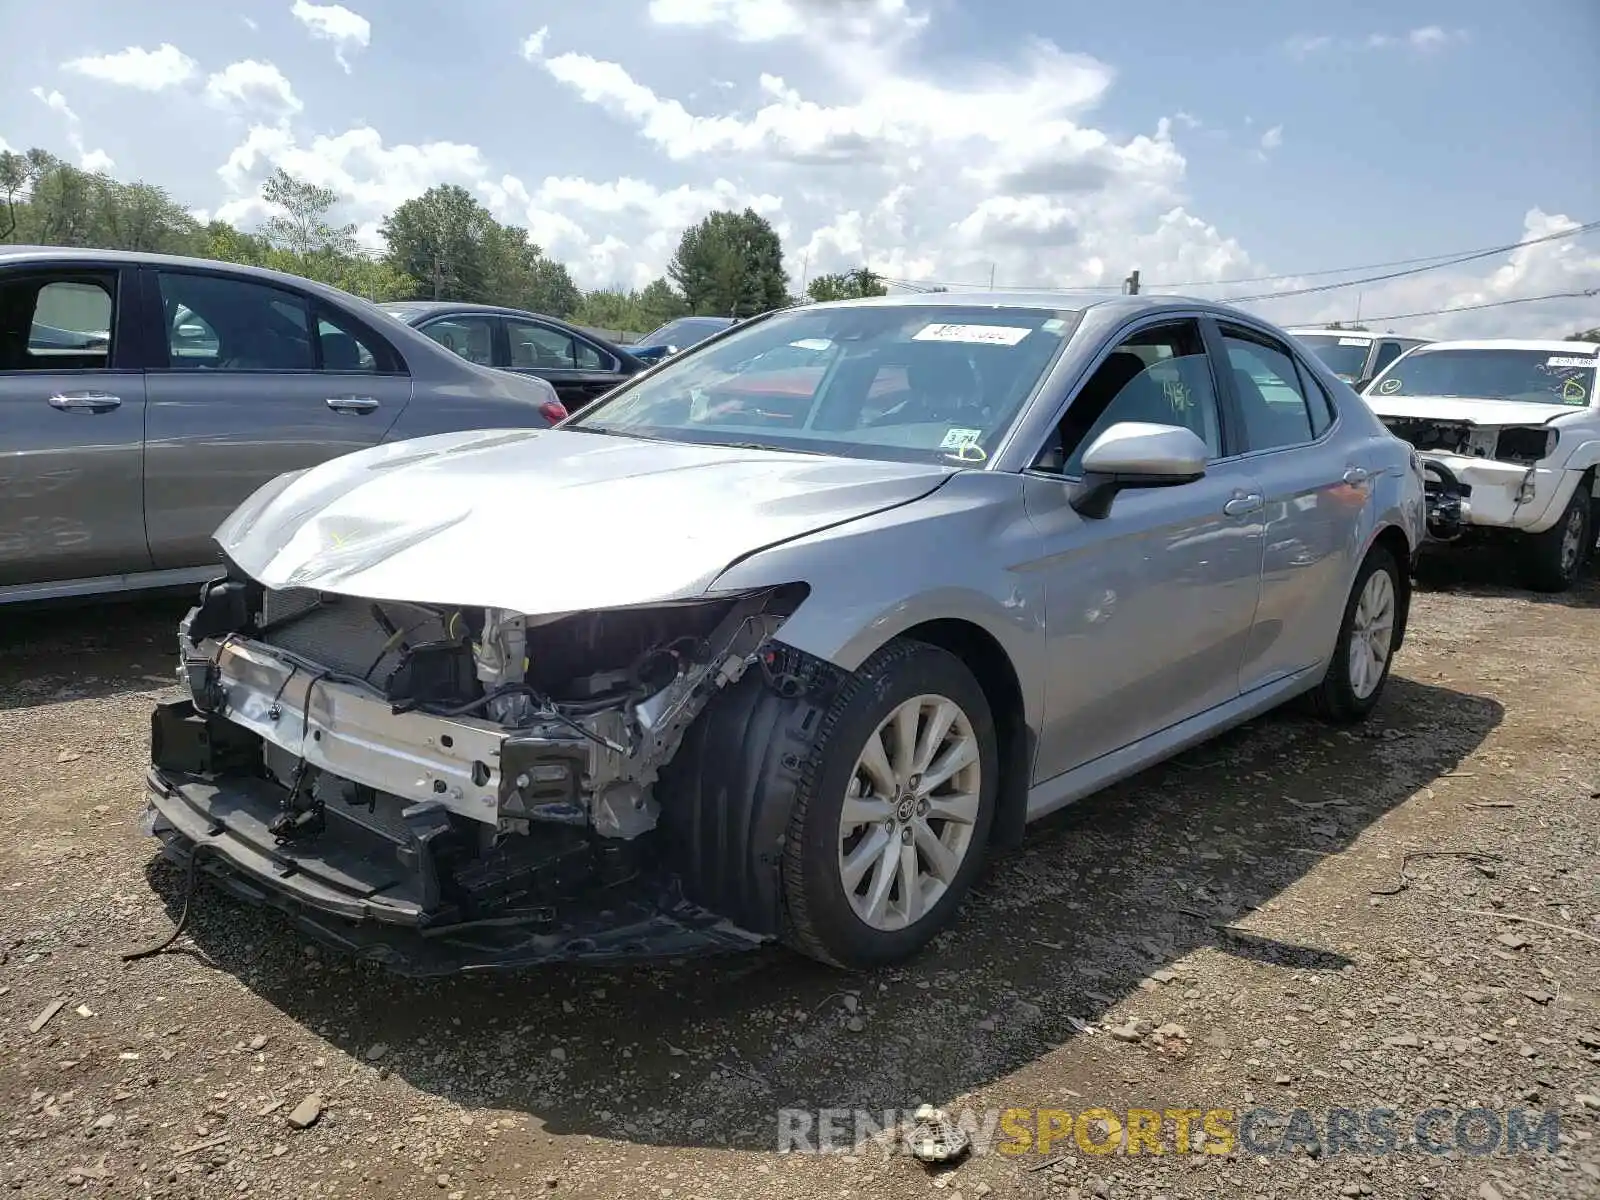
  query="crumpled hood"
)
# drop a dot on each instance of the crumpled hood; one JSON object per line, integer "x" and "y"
{"x": 547, "y": 521}
{"x": 1463, "y": 408}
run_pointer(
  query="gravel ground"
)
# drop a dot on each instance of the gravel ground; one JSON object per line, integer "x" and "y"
{"x": 1225, "y": 931}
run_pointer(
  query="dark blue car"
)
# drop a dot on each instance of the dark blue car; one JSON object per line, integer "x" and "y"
{"x": 675, "y": 336}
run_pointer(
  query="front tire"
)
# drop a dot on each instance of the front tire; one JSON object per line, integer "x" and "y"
{"x": 1365, "y": 650}
{"x": 1555, "y": 558}
{"x": 893, "y": 810}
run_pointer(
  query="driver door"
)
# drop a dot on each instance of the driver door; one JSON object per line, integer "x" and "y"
{"x": 1148, "y": 610}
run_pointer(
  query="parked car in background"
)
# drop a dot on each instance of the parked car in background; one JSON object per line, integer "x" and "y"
{"x": 1509, "y": 432}
{"x": 1355, "y": 356}
{"x": 143, "y": 397}
{"x": 677, "y": 336}
{"x": 580, "y": 366}
{"x": 1004, "y": 550}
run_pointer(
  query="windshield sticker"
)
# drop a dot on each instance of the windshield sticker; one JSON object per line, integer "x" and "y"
{"x": 1572, "y": 392}
{"x": 988, "y": 335}
{"x": 1053, "y": 325}
{"x": 1352, "y": 341}
{"x": 1388, "y": 387}
{"x": 1567, "y": 361}
{"x": 959, "y": 439}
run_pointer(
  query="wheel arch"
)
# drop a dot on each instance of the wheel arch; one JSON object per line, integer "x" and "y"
{"x": 982, "y": 654}
{"x": 1393, "y": 539}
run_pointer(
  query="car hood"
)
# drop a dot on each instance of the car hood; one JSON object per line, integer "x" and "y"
{"x": 1465, "y": 408}
{"x": 547, "y": 521}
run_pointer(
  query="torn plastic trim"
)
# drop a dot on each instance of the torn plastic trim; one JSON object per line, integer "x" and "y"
{"x": 597, "y": 768}
{"x": 1447, "y": 499}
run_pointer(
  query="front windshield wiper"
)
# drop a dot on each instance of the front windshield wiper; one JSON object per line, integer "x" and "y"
{"x": 768, "y": 446}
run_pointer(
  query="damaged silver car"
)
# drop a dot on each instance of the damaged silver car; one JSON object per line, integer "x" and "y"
{"x": 817, "y": 629}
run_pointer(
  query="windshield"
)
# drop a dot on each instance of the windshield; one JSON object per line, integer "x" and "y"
{"x": 1540, "y": 376}
{"x": 1346, "y": 357}
{"x": 912, "y": 383}
{"x": 685, "y": 332}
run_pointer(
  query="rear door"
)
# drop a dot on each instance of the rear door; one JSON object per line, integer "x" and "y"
{"x": 255, "y": 379}
{"x": 577, "y": 368}
{"x": 1314, "y": 495}
{"x": 72, "y": 409}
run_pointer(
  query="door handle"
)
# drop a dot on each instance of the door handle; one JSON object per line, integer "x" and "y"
{"x": 1241, "y": 506}
{"x": 1356, "y": 476}
{"x": 89, "y": 402}
{"x": 352, "y": 404}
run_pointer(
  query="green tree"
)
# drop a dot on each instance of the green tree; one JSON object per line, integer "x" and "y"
{"x": 301, "y": 225}
{"x": 441, "y": 239}
{"x": 657, "y": 305}
{"x": 731, "y": 264}
{"x": 849, "y": 285}
{"x": 520, "y": 276}
{"x": 1585, "y": 335}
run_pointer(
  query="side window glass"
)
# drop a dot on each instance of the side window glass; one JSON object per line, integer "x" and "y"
{"x": 1323, "y": 413}
{"x": 1159, "y": 376}
{"x": 470, "y": 337}
{"x": 63, "y": 325}
{"x": 538, "y": 346}
{"x": 1270, "y": 400}
{"x": 1387, "y": 353}
{"x": 234, "y": 325}
{"x": 589, "y": 357}
{"x": 343, "y": 350}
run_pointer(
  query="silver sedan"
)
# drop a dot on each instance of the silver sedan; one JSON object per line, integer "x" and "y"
{"x": 834, "y": 623}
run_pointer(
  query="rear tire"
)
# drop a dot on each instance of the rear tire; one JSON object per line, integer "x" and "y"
{"x": 1554, "y": 559}
{"x": 1364, "y": 653}
{"x": 880, "y": 850}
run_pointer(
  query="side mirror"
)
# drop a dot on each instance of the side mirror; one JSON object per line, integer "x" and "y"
{"x": 1132, "y": 454}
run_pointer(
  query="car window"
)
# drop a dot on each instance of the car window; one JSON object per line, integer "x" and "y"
{"x": 56, "y": 324}
{"x": 1160, "y": 376}
{"x": 343, "y": 349}
{"x": 1549, "y": 376}
{"x": 234, "y": 325}
{"x": 904, "y": 382}
{"x": 541, "y": 346}
{"x": 471, "y": 337}
{"x": 1323, "y": 411}
{"x": 1271, "y": 401}
{"x": 1387, "y": 353}
{"x": 1345, "y": 355}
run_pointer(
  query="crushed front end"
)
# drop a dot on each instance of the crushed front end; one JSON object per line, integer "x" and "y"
{"x": 1480, "y": 477}
{"x": 445, "y": 789}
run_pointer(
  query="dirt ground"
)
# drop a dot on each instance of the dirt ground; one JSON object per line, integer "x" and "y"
{"x": 1233, "y": 898}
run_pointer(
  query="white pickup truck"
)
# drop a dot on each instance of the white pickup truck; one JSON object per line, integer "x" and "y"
{"x": 1509, "y": 434}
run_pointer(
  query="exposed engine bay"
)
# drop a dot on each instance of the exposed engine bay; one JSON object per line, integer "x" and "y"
{"x": 1515, "y": 443}
{"x": 1442, "y": 444}
{"x": 469, "y": 772}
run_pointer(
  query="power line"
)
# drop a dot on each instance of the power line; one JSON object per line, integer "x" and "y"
{"x": 1434, "y": 312}
{"x": 1433, "y": 262}
{"x": 1451, "y": 262}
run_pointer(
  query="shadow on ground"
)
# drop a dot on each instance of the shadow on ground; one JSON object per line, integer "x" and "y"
{"x": 703, "y": 1053}
{"x": 88, "y": 650}
{"x": 1492, "y": 571}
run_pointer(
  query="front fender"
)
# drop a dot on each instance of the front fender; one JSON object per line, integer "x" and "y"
{"x": 959, "y": 554}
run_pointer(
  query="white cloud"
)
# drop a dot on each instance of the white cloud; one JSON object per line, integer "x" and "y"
{"x": 1425, "y": 39}
{"x": 373, "y": 178}
{"x": 253, "y": 86}
{"x": 533, "y": 44}
{"x": 1272, "y": 138}
{"x": 89, "y": 160}
{"x": 772, "y": 20}
{"x": 148, "y": 70}
{"x": 334, "y": 23}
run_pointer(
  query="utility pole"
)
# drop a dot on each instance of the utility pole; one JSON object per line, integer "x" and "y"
{"x": 1131, "y": 284}
{"x": 991, "y": 277}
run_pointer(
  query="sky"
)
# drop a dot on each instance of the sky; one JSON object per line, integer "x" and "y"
{"x": 1031, "y": 143}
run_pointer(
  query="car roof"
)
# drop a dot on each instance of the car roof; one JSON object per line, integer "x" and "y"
{"x": 1364, "y": 334}
{"x": 85, "y": 254}
{"x": 1546, "y": 345}
{"x": 414, "y": 310}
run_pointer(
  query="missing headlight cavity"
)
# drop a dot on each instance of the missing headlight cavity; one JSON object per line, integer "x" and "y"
{"x": 1525, "y": 445}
